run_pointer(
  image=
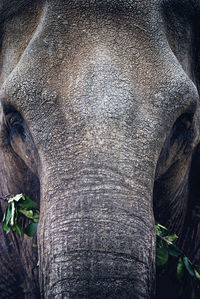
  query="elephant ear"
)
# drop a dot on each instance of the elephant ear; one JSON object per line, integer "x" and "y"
{"x": 191, "y": 232}
{"x": 196, "y": 54}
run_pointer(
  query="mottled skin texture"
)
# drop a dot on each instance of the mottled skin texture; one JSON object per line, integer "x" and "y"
{"x": 99, "y": 121}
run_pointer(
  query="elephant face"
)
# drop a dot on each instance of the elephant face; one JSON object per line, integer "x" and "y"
{"x": 99, "y": 122}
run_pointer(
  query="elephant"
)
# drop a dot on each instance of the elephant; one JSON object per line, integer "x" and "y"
{"x": 99, "y": 124}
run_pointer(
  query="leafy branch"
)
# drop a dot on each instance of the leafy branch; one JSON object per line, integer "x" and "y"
{"x": 185, "y": 270}
{"x": 20, "y": 204}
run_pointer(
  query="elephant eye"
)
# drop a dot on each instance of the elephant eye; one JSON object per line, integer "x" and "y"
{"x": 182, "y": 126}
{"x": 14, "y": 119}
{"x": 14, "y": 122}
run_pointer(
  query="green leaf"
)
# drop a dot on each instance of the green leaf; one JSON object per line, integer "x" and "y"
{"x": 12, "y": 213}
{"x": 161, "y": 256}
{"x": 197, "y": 267}
{"x": 17, "y": 228}
{"x": 31, "y": 229}
{"x": 16, "y": 198}
{"x": 174, "y": 250}
{"x": 28, "y": 214}
{"x": 197, "y": 271}
{"x": 6, "y": 227}
{"x": 8, "y": 214}
{"x": 188, "y": 265}
{"x": 28, "y": 204}
{"x": 158, "y": 225}
{"x": 31, "y": 214}
{"x": 180, "y": 269}
{"x": 27, "y": 207}
{"x": 197, "y": 275}
{"x": 36, "y": 216}
{"x": 6, "y": 218}
{"x": 187, "y": 273}
{"x": 171, "y": 238}
{"x": 160, "y": 229}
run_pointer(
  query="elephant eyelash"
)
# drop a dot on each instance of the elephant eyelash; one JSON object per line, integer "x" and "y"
{"x": 182, "y": 124}
{"x": 14, "y": 122}
{"x": 12, "y": 117}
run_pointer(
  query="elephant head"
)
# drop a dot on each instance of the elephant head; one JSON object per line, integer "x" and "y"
{"x": 99, "y": 122}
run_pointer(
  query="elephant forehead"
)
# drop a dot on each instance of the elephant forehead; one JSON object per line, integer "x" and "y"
{"x": 8, "y": 7}
{"x": 96, "y": 62}
{"x": 11, "y": 7}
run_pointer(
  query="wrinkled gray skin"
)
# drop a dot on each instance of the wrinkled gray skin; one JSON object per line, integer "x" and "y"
{"x": 99, "y": 120}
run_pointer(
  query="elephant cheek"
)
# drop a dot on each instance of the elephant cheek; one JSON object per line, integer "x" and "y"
{"x": 96, "y": 236}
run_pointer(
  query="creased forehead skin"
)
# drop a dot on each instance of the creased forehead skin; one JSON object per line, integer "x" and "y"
{"x": 69, "y": 43}
{"x": 10, "y": 7}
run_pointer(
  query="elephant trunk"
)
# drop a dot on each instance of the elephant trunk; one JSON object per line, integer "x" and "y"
{"x": 96, "y": 234}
